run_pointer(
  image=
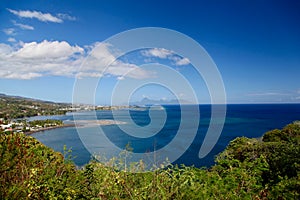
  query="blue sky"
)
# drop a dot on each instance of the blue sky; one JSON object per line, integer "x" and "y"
{"x": 255, "y": 45}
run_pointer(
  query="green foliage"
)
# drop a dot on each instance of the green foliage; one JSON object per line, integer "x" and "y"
{"x": 290, "y": 133}
{"x": 46, "y": 123}
{"x": 266, "y": 168}
{"x": 30, "y": 170}
{"x": 276, "y": 159}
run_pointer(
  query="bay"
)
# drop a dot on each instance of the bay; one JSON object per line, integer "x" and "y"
{"x": 249, "y": 120}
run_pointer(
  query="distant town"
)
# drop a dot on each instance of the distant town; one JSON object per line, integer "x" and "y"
{"x": 15, "y": 111}
{"x": 28, "y": 127}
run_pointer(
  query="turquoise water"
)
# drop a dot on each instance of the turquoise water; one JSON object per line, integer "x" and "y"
{"x": 241, "y": 120}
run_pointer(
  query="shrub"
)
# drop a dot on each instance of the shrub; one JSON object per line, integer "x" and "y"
{"x": 246, "y": 169}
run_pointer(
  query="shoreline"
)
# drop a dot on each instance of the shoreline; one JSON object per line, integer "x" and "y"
{"x": 79, "y": 124}
{"x": 99, "y": 122}
{"x": 49, "y": 128}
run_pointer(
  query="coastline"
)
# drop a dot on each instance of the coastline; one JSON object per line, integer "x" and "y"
{"x": 49, "y": 128}
{"x": 100, "y": 122}
{"x": 79, "y": 124}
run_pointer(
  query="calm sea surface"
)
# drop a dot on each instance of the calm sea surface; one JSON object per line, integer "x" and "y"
{"x": 241, "y": 120}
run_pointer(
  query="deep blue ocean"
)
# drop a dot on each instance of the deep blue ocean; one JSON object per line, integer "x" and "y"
{"x": 241, "y": 120}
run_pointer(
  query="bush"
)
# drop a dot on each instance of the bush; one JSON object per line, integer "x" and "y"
{"x": 31, "y": 170}
{"x": 246, "y": 169}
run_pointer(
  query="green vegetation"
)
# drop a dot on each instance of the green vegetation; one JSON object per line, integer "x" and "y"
{"x": 12, "y": 107}
{"x": 266, "y": 168}
{"x": 46, "y": 123}
{"x": 31, "y": 170}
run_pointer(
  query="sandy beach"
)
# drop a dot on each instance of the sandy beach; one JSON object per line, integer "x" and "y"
{"x": 80, "y": 124}
{"x": 103, "y": 122}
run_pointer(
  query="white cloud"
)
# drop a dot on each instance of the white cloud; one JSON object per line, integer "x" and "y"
{"x": 5, "y": 50}
{"x": 166, "y": 54}
{"x": 180, "y": 61}
{"x": 66, "y": 17}
{"x": 47, "y": 50}
{"x": 88, "y": 74}
{"x": 23, "y": 26}
{"x": 59, "y": 58}
{"x": 157, "y": 52}
{"x": 11, "y": 39}
{"x": 120, "y": 78}
{"x": 31, "y": 60}
{"x": 25, "y": 76}
{"x": 128, "y": 70}
{"x": 102, "y": 55}
{"x": 9, "y": 31}
{"x": 99, "y": 56}
{"x": 44, "y": 17}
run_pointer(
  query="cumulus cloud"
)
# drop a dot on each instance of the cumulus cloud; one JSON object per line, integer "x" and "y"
{"x": 44, "y": 17}
{"x": 47, "y": 50}
{"x": 166, "y": 54}
{"x": 59, "y": 58}
{"x": 31, "y": 60}
{"x": 102, "y": 60}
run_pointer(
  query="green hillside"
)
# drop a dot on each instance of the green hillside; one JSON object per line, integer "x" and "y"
{"x": 266, "y": 168}
{"x": 12, "y": 107}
